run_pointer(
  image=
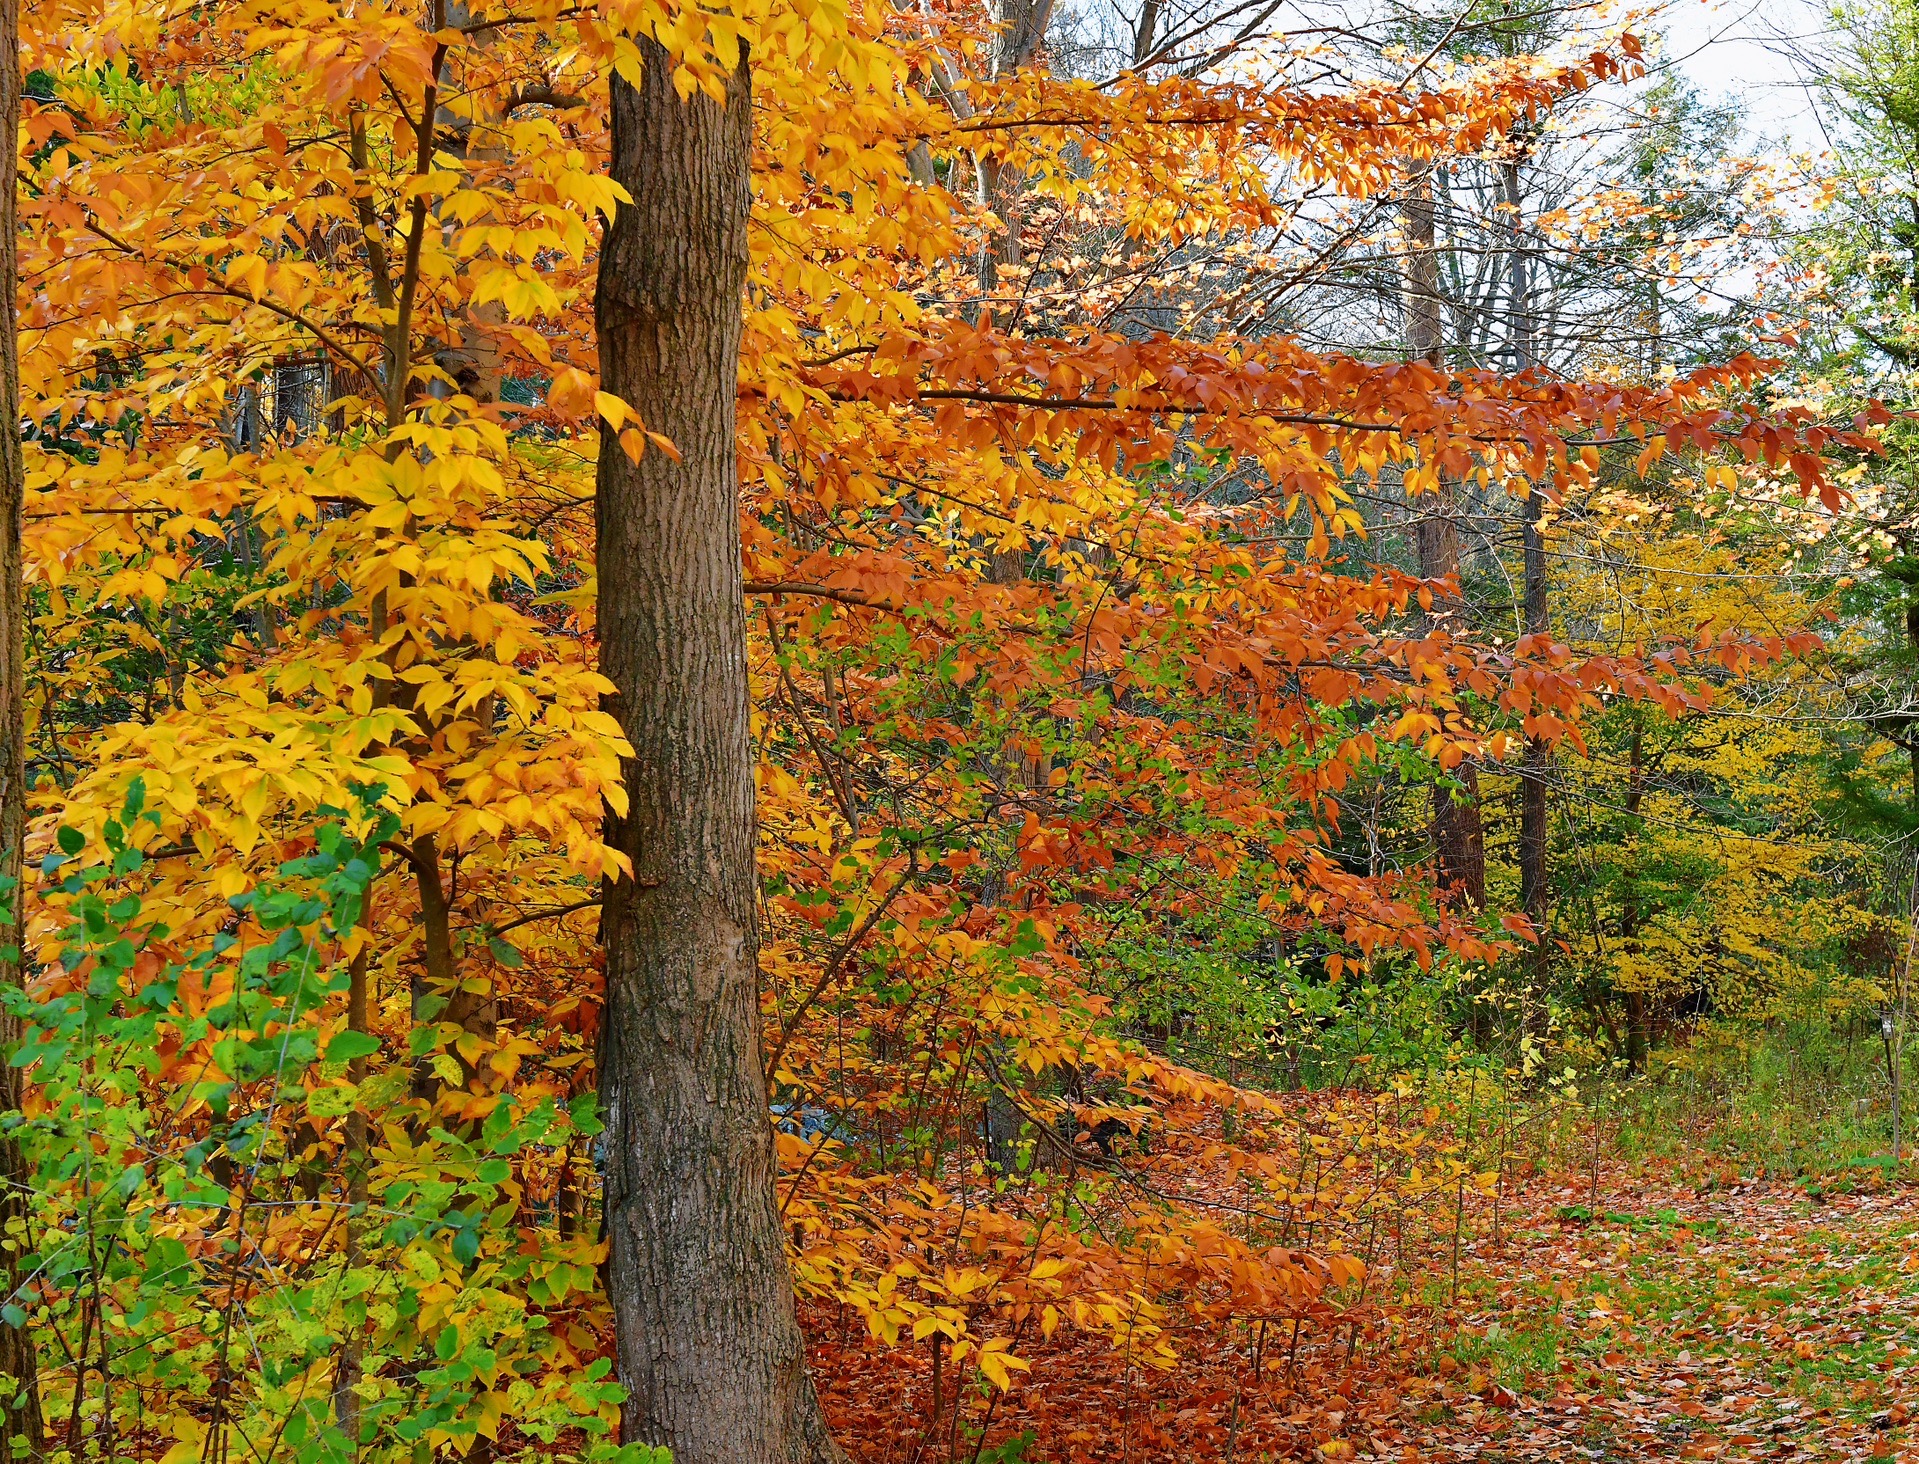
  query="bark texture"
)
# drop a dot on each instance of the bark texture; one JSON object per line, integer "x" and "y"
{"x": 20, "y": 1397}
{"x": 1459, "y": 840}
{"x": 709, "y": 1349}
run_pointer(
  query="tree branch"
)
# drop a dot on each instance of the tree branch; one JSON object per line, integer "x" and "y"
{"x": 839, "y": 959}
{"x": 553, "y": 914}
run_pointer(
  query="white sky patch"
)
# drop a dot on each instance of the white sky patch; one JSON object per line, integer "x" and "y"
{"x": 1743, "y": 50}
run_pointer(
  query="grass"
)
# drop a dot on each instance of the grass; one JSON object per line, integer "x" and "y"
{"x": 1806, "y": 1098}
{"x": 1745, "y": 1280}
{"x": 1818, "y": 1321}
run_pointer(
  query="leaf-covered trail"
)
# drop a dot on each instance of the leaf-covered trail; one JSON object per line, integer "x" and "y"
{"x": 1753, "y": 1321}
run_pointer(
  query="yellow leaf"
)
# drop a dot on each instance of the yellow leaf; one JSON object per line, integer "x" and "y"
{"x": 612, "y": 409}
{"x": 995, "y": 1362}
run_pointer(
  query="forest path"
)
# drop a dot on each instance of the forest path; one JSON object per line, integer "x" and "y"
{"x": 1745, "y": 1323}
{"x": 1754, "y": 1321}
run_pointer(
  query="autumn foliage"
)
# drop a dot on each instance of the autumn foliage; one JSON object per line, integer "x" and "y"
{"x": 1059, "y": 657}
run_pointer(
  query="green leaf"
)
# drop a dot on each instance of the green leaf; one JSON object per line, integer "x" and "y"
{"x": 508, "y": 956}
{"x": 348, "y": 1045}
{"x": 71, "y": 840}
{"x": 1026, "y": 940}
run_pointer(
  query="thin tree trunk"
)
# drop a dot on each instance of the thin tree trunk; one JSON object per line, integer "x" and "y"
{"x": 19, "y": 1373}
{"x": 438, "y": 976}
{"x": 1655, "y": 334}
{"x": 1145, "y": 34}
{"x": 710, "y": 1351}
{"x": 1459, "y": 841}
{"x": 1912, "y": 728}
{"x": 1023, "y": 25}
{"x": 475, "y": 363}
{"x": 1537, "y": 768}
{"x": 1894, "y": 1039}
{"x": 1893, "y": 1027}
{"x": 1636, "y": 1042}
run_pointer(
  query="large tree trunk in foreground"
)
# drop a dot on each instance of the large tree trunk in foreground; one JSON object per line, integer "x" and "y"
{"x": 709, "y": 1350}
{"x": 19, "y": 1398}
{"x": 1459, "y": 841}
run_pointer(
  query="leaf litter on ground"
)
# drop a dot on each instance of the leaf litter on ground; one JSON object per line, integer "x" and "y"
{"x": 1739, "y": 1319}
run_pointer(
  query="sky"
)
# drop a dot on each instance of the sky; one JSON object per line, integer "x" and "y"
{"x": 1737, "y": 48}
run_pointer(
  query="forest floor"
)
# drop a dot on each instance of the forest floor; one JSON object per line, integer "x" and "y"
{"x": 1734, "y": 1319}
{"x": 1748, "y": 1320}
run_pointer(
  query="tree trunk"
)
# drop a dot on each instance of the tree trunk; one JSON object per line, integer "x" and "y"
{"x": 1636, "y": 1036}
{"x": 1888, "y": 1031}
{"x": 710, "y": 1352}
{"x": 1459, "y": 841}
{"x": 1145, "y": 34}
{"x": 1001, "y": 1124}
{"x": 1537, "y": 768}
{"x": 1891, "y": 1032}
{"x": 1912, "y": 727}
{"x": 1023, "y": 26}
{"x": 475, "y": 363}
{"x": 439, "y": 993}
{"x": 19, "y": 1374}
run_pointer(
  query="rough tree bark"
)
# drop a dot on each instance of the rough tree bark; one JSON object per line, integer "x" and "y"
{"x": 1458, "y": 838}
{"x": 20, "y": 1397}
{"x": 709, "y": 1349}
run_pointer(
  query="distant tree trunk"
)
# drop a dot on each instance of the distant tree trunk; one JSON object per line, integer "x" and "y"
{"x": 1894, "y": 1029}
{"x": 1145, "y": 34}
{"x": 475, "y": 363}
{"x": 1655, "y": 333}
{"x": 710, "y": 1352}
{"x": 19, "y": 1373}
{"x": 1534, "y": 894}
{"x": 1892, "y": 1033}
{"x": 1912, "y": 728}
{"x": 1458, "y": 838}
{"x": 1892, "y": 1026}
{"x": 1023, "y": 26}
{"x": 1001, "y": 1124}
{"x": 1636, "y": 1036}
{"x": 1638, "y": 1039}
